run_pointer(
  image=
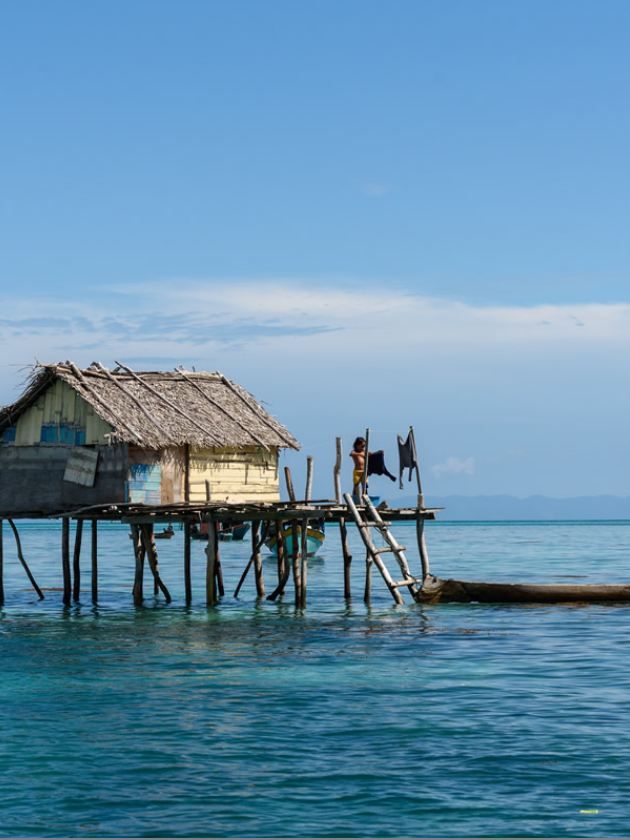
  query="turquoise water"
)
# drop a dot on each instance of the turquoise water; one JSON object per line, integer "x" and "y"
{"x": 253, "y": 720}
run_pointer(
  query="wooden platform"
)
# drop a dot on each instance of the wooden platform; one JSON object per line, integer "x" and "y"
{"x": 330, "y": 511}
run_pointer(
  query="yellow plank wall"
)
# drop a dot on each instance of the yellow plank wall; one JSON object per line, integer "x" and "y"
{"x": 249, "y": 474}
{"x": 60, "y": 404}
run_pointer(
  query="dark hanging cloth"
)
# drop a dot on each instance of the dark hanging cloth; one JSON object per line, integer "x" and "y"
{"x": 376, "y": 465}
{"x": 406, "y": 455}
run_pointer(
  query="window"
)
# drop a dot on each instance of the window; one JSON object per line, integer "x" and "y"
{"x": 62, "y": 433}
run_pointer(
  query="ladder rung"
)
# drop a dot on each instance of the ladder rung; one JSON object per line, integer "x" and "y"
{"x": 390, "y": 548}
{"x": 407, "y": 582}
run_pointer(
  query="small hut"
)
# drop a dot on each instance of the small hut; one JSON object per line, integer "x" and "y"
{"x": 96, "y": 436}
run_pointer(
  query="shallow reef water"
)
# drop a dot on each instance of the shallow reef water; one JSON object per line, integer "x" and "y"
{"x": 252, "y": 719}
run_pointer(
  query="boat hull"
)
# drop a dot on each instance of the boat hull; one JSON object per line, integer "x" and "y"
{"x": 435, "y": 590}
{"x": 314, "y": 541}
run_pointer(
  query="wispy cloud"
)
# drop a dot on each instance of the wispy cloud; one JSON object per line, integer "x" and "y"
{"x": 455, "y": 466}
{"x": 295, "y": 322}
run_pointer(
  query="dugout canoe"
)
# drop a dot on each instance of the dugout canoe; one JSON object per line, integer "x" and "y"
{"x": 436, "y": 590}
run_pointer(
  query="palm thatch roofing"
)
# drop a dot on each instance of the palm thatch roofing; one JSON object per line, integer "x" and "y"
{"x": 157, "y": 409}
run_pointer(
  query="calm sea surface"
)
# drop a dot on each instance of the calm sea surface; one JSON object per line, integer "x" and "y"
{"x": 252, "y": 720}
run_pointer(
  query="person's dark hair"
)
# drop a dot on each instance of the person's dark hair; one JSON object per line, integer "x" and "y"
{"x": 357, "y": 441}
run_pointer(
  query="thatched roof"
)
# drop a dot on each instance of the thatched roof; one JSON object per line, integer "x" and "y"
{"x": 157, "y": 409}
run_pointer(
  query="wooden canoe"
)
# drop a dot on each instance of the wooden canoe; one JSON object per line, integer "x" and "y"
{"x": 435, "y": 590}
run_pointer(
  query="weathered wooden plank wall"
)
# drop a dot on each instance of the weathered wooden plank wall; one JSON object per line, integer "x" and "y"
{"x": 60, "y": 410}
{"x": 247, "y": 474}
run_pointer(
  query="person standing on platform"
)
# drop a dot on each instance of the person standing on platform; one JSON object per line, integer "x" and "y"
{"x": 358, "y": 456}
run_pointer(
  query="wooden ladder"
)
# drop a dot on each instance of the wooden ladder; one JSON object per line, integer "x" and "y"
{"x": 371, "y": 518}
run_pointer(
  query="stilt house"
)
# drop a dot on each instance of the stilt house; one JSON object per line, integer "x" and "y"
{"x": 85, "y": 437}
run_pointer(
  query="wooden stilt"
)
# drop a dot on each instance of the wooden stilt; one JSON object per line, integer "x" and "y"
{"x": 258, "y": 569}
{"x": 76, "y": 561}
{"x": 343, "y": 531}
{"x": 295, "y": 562}
{"x": 280, "y": 551}
{"x": 187, "y": 579}
{"x": 94, "y": 553}
{"x": 211, "y": 560}
{"x": 65, "y": 560}
{"x": 289, "y": 483}
{"x": 218, "y": 569}
{"x": 284, "y": 569}
{"x": 1, "y": 565}
{"x": 309, "y": 479}
{"x": 146, "y": 532}
{"x": 139, "y": 552}
{"x": 422, "y": 544}
{"x": 303, "y": 563}
{"x": 347, "y": 559}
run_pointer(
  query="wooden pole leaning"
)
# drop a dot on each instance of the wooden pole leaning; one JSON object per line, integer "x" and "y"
{"x": 65, "y": 560}
{"x": 24, "y": 564}
{"x": 289, "y": 483}
{"x": 76, "y": 560}
{"x": 343, "y": 531}
{"x": 284, "y": 569}
{"x": 150, "y": 547}
{"x": 373, "y": 554}
{"x": 94, "y": 557}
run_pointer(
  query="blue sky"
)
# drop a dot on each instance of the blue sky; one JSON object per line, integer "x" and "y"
{"x": 368, "y": 213}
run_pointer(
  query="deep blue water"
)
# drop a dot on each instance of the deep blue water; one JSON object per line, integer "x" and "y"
{"x": 252, "y": 720}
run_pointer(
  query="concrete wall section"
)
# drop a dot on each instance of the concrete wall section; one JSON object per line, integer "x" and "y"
{"x": 31, "y": 480}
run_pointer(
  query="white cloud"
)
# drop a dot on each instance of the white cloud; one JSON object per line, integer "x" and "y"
{"x": 455, "y": 466}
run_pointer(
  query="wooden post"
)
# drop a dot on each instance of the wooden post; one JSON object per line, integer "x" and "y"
{"x": 280, "y": 550}
{"x": 297, "y": 583}
{"x": 187, "y": 580}
{"x": 304, "y": 562}
{"x": 65, "y": 559}
{"x": 347, "y": 559}
{"x": 94, "y": 547}
{"x": 211, "y": 560}
{"x": 1, "y": 565}
{"x": 289, "y": 482}
{"x": 258, "y": 569}
{"x": 343, "y": 531}
{"x": 218, "y": 571}
{"x": 364, "y": 482}
{"x": 420, "y": 536}
{"x": 207, "y": 484}
{"x": 76, "y": 560}
{"x": 24, "y": 564}
{"x": 337, "y": 470}
{"x": 186, "y": 473}
{"x": 309, "y": 479}
{"x": 139, "y": 552}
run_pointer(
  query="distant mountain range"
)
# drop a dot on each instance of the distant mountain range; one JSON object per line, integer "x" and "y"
{"x": 531, "y": 507}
